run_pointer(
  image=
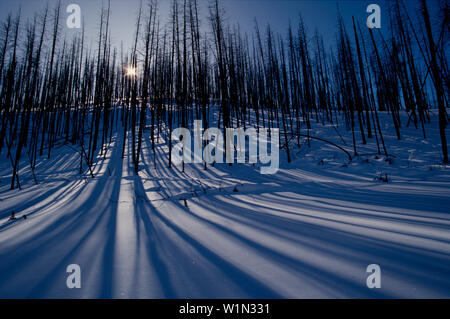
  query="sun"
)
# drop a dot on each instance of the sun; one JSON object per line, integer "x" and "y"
{"x": 131, "y": 71}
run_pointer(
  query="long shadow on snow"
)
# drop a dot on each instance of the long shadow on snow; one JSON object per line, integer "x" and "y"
{"x": 61, "y": 230}
{"x": 252, "y": 286}
{"x": 410, "y": 262}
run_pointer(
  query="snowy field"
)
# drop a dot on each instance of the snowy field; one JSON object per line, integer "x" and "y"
{"x": 309, "y": 231}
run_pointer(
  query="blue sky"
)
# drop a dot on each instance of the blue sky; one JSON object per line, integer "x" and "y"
{"x": 317, "y": 14}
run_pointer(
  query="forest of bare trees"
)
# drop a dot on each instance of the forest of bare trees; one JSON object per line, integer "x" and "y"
{"x": 60, "y": 90}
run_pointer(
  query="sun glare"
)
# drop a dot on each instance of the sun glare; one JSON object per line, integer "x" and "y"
{"x": 131, "y": 71}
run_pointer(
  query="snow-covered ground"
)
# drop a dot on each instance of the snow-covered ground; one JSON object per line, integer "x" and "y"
{"x": 309, "y": 231}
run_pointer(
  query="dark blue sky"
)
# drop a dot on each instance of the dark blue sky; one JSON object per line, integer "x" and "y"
{"x": 318, "y": 14}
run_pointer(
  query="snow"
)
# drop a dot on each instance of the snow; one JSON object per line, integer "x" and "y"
{"x": 308, "y": 231}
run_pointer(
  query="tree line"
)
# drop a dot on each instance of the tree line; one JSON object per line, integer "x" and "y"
{"x": 56, "y": 89}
